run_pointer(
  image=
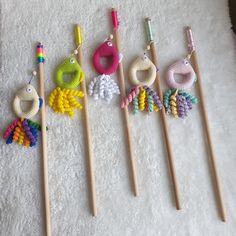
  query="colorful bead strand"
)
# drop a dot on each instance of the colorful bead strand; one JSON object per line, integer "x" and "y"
{"x": 40, "y": 53}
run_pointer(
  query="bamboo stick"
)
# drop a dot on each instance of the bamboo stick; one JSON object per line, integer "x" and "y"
{"x": 115, "y": 25}
{"x": 163, "y": 118}
{"x": 40, "y": 59}
{"x": 206, "y": 126}
{"x": 92, "y": 183}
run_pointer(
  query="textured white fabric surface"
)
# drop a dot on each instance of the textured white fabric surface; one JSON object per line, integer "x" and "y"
{"x": 23, "y": 23}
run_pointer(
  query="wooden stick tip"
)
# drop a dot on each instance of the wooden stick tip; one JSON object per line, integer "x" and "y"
{"x": 94, "y": 214}
{"x": 223, "y": 218}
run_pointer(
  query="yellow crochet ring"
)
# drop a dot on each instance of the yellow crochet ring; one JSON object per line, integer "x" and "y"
{"x": 142, "y": 64}
{"x": 26, "y": 94}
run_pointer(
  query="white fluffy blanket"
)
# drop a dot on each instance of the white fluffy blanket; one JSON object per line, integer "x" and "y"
{"x": 23, "y": 23}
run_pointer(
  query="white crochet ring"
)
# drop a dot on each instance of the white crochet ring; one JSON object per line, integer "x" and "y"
{"x": 141, "y": 64}
{"x": 26, "y": 94}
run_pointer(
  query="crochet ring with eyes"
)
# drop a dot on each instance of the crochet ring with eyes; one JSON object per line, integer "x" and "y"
{"x": 142, "y": 97}
{"x": 23, "y": 130}
{"x": 63, "y": 98}
{"x": 176, "y": 100}
{"x": 103, "y": 86}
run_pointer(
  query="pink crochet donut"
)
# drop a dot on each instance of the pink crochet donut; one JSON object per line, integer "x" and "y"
{"x": 106, "y": 49}
{"x": 181, "y": 67}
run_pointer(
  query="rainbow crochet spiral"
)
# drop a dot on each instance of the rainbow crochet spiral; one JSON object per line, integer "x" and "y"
{"x": 22, "y": 131}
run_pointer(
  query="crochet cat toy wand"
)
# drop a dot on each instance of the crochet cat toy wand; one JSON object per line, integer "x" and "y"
{"x": 163, "y": 117}
{"x": 78, "y": 40}
{"x": 192, "y": 50}
{"x": 40, "y": 60}
{"x": 115, "y": 24}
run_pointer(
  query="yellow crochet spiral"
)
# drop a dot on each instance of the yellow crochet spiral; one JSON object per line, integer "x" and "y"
{"x": 156, "y": 109}
{"x": 141, "y": 99}
{"x": 64, "y": 101}
{"x": 173, "y": 106}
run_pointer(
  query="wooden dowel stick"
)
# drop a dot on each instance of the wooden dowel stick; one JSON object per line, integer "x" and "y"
{"x": 44, "y": 148}
{"x": 126, "y": 113}
{"x": 164, "y": 123}
{"x": 91, "y": 175}
{"x": 206, "y": 126}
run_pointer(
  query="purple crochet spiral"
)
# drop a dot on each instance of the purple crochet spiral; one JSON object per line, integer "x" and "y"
{"x": 180, "y": 106}
{"x": 28, "y": 131}
{"x": 152, "y": 93}
{"x": 190, "y": 105}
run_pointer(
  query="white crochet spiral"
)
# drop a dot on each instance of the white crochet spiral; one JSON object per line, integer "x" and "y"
{"x": 103, "y": 87}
